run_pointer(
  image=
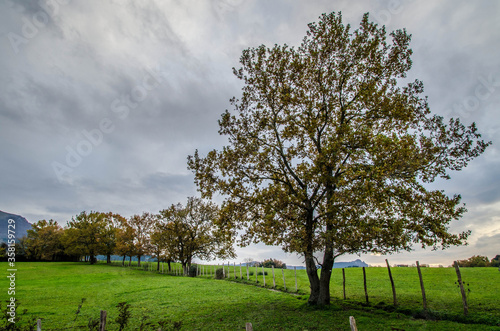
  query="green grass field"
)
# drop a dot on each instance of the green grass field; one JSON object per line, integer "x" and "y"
{"x": 53, "y": 291}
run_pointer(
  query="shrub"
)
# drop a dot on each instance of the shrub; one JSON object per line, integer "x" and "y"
{"x": 260, "y": 273}
{"x": 193, "y": 270}
{"x": 219, "y": 273}
{"x": 123, "y": 315}
{"x": 277, "y": 264}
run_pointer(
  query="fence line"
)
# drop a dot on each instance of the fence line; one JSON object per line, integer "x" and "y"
{"x": 210, "y": 271}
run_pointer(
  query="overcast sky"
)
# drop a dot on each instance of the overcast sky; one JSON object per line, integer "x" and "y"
{"x": 101, "y": 102}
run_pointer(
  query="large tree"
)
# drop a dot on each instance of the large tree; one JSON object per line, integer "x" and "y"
{"x": 328, "y": 155}
{"x": 189, "y": 232}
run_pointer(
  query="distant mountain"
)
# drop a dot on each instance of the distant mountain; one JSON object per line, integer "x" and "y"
{"x": 22, "y": 226}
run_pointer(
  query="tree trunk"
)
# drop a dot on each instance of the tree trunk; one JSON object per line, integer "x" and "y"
{"x": 108, "y": 259}
{"x": 326, "y": 274}
{"x": 312, "y": 274}
{"x": 169, "y": 266}
{"x": 158, "y": 266}
{"x": 138, "y": 260}
{"x": 123, "y": 262}
{"x": 130, "y": 260}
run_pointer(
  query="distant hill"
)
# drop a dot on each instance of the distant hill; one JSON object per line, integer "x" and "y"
{"x": 352, "y": 264}
{"x": 22, "y": 226}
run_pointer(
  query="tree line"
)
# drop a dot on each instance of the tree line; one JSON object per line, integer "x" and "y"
{"x": 480, "y": 261}
{"x": 179, "y": 233}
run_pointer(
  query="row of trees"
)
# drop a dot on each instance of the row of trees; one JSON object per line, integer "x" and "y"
{"x": 179, "y": 233}
{"x": 480, "y": 261}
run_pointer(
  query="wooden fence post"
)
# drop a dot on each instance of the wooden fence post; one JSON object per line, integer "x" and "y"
{"x": 424, "y": 299}
{"x": 343, "y": 282}
{"x": 102, "y": 326}
{"x": 39, "y": 325}
{"x": 248, "y": 327}
{"x": 352, "y": 322}
{"x": 264, "y": 275}
{"x": 274, "y": 279}
{"x": 241, "y": 272}
{"x": 256, "y": 273}
{"x": 248, "y": 274}
{"x": 462, "y": 290}
{"x": 234, "y": 269}
{"x": 392, "y": 283}
{"x": 295, "y": 270}
{"x": 283, "y": 273}
{"x": 364, "y": 283}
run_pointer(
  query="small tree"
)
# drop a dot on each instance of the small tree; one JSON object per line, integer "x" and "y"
{"x": 328, "y": 154}
{"x": 125, "y": 236}
{"x": 143, "y": 226}
{"x": 44, "y": 241}
{"x": 190, "y": 232}
{"x": 82, "y": 236}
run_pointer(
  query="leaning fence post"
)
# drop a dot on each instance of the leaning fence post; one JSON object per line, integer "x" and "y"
{"x": 102, "y": 326}
{"x": 462, "y": 290}
{"x": 424, "y": 299}
{"x": 39, "y": 325}
{"x": 352, "y": 322}
{"x": 392, "y": 283}
{"x": 274, "y": 279}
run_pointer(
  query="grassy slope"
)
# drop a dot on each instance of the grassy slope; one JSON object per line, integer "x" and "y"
{"x": 54, "y": 290}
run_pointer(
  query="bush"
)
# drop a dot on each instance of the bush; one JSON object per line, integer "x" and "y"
{"x": 260, "y": 273}
{"x": 219, "y": 274}
{"x": 193, "y": 270}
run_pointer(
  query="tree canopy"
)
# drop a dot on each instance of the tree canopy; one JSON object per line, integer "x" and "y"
{"x": 328, "y": 153}
{"x": 189, "y": 232}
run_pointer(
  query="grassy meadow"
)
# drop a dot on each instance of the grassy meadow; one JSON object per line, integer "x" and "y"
{"x": 53, "y": 292}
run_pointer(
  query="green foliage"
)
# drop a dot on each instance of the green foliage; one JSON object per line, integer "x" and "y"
{"x": 193, "y": 270}
{"x": 475, "y": 261}
{"x": 123, "y": 315}
{"x": 219, "y": 273}
{"x": 495, "y": 262}
{"x": 274, "y": 263}
{"x": 22, "y": 321}
{"x": 93, "y": 324}
{"x": 44, "y": 241}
